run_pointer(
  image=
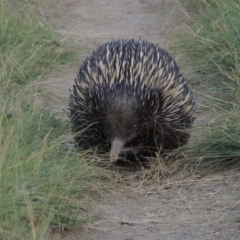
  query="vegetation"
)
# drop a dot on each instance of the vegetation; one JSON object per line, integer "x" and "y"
{"x": 210, "y": 43}
{"x": 43, "y": 182}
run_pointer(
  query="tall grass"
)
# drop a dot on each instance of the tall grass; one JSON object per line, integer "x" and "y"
{"x": 44, "y": 183}
{"x": 28, "y": 47}
{"x": 212, "y": 40}
{"x": 210, "y": 45}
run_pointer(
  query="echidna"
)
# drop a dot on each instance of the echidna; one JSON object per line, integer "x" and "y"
{"x": 129, "y": 95}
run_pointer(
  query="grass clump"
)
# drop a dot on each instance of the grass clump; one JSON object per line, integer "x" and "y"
{"x": 44, "y": 184}
{"x": 28, "y": 47}
{"x": 212, "y": 39}
{"x": 218, "y": 145}
{"x": 210, "y": 44}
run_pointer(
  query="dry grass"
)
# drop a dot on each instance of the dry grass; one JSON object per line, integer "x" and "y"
{"x": 199, "y": 207}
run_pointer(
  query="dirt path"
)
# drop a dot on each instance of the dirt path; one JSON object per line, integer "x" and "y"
{"x": 202, "y": 207}
{"x": 91, "y": 23}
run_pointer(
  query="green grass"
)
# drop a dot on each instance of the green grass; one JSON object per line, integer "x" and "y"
{"x": 29, "y": 49}
{"x": 210, "y": 45}
{"x": 217, "y": 145}
{"x": 212, "y": 39}
{"x": 44, "y": 183}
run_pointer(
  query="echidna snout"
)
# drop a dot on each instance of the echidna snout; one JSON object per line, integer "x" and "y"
{"x": 116, "y": 147}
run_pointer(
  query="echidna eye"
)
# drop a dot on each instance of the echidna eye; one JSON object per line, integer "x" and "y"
{"x": 96, "y": 135}
{"x": 143, "y": 136}
{"x": 130, "y": 134}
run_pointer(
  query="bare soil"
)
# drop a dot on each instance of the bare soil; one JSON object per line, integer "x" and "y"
{"x": 197, "y": 207}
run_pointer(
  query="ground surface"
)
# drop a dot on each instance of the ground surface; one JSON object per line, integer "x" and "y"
{"x": 197, "y": 207}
